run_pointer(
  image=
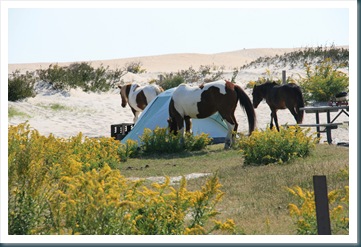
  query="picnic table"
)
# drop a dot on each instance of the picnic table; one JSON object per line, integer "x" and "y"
{"x": 330, "y": 123}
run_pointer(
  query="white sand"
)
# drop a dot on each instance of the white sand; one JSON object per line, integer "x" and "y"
{"x": 93, "y": 113}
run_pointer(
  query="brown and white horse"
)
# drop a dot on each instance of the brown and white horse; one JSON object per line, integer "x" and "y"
{"x": 201, "y": 102}
{"x": 138, "y": 97}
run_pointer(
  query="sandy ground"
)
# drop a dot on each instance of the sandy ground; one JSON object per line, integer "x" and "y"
{"x": 93, "y": 113}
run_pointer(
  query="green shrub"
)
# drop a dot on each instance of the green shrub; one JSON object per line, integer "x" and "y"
{"x": 197, "y": 142}
{"x": 271, "y": 146}
{"x": 135, "y": 67}
{"x": 56, "y": 76}
{"x": 161, "y": 141}
{"x": 190, "y": 75}
{"x": 128, "y": 150}
{"x": 81, "y": 75}
{"x": 324, "y": 82}
{"x": 20, "y": 86}
{"x": 171, "y": 82}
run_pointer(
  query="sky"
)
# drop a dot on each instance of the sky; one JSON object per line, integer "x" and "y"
{"x": 86, "y": 34}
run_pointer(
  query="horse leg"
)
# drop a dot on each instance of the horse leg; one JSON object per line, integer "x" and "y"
{"x": 235, "y": 128}
{"x": 294, "y": 113}
{"x": 229, "y": 138}
{"x": 136, "y": 114}
{"x": 180, "y": 124}
{"x": 271, "y": 124}
{"x": 188, "y": 122}
{"x": 232, "y": 126}
{"x": 276, "y": 120}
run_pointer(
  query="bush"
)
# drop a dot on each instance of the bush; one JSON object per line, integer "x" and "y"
{"x": 59, "y": 186}
{"x": 171, "y": 82}
{"x": 304, "y": 211}
{"x": 324, "y": 82}
{"x": 20, "y": 86}
{"x": 81, "y": 75}
{"x": 197, "y": 142}
{"x": 135, "y": 68}
{"x": 271, "y": 146}
{"x": 161, "y": 141}
{"x": 204, "y": 74}
{"x": 56, "y": 76}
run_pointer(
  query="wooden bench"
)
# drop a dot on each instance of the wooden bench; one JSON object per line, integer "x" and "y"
{"x": 327, "y": 129}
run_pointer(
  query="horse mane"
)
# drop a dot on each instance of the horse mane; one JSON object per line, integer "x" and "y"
{"x": 268, "y": 82}
{"x": 127, "y": 89}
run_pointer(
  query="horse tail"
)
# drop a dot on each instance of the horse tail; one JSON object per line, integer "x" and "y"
{"x": 300, "y": 103}
{"x": 247, "y": 105}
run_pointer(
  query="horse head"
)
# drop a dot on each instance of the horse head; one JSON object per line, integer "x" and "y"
{"x": 257, "y": 96}
{"x": 124, "y": 95}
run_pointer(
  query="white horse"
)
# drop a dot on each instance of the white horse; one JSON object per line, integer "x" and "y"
{"x": 138, "y": 97}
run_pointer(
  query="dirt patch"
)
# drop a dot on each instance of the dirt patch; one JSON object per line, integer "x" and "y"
{"x": 173, "y": 180}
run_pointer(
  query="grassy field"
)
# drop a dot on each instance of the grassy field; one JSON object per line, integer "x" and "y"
{"x": 255, "y": 196}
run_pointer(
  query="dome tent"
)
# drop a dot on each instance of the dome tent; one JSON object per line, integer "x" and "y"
{"x": 156, "y": 115}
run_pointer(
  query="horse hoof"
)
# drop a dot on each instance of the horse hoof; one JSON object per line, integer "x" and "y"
{"x": 227, "y": 145}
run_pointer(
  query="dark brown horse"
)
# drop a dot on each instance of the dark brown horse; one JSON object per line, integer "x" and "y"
{"x": 138, "y": 97}
{"x": 280, "y": 97}
{"x": 201, "y": 102}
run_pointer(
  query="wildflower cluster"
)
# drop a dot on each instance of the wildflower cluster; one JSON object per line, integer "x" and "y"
{"x": 271, "y": 146}
{"x": 59, "y": 186}
{"x": 161, "y": 141}
{"x": 304, "y": 211}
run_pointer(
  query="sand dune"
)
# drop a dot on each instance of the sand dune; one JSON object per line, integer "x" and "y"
{"x": 173, "y": 62}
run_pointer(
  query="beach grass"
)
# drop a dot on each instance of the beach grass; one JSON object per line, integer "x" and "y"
{"x": 13, "y": 112}
{"x": 56, "y": 107}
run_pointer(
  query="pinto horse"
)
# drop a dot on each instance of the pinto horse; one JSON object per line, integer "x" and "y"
{"x": 138, "y": 97}
{"x": 201, "y": 102}
{"x": 280, "y": 97}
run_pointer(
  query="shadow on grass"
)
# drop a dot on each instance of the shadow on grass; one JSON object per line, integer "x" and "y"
{"x": 211, "y": 149}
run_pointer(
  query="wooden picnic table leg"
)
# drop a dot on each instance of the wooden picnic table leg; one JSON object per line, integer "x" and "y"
{"x": 328, "y": 133}
{"x": 328, "y": 117}
{"x": 342, "y": 111}
{"x": 328, "y": 129}
{"x": 317, "y": 122}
